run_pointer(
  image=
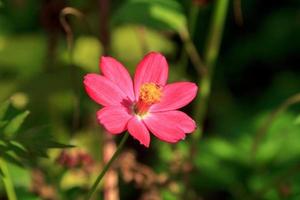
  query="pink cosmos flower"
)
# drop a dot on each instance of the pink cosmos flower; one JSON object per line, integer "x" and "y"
{"x": 148, "y": 104}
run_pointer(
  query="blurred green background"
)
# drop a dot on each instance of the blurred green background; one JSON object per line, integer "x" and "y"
{"x": 243, "y": 152}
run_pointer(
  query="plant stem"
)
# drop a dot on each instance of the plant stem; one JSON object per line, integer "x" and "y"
{"x": 192, "y": 52}
{"x": 189, "y": 50}
{"x": 193, "y": 15}
{"x": 263, "y": 130}
{"x": 8, "y": 184}
{"x": 73, "y": 72}
{"x": 107, "y": 166}
{"x": 210, "y": 57}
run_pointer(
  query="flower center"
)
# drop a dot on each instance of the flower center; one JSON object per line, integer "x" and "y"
{"x": 150, "y": 93}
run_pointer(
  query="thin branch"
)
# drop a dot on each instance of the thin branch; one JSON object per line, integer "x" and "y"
{"x": 70, "y": 40}
{"x": 107, "y": 166}
{"x": 66, "y": 26}
{"x": 193, "y": 53}
{"x": 263, "y": 130}
{"x": 211, "y": 53}
{"x": 237, "y": 11}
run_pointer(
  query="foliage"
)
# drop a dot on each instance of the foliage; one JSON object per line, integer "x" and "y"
{"x": 21, "y": 147}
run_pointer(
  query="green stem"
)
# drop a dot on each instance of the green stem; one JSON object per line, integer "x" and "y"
{"x": 187, "y": 35}
{"x": 263, "y": 130}
{"x": 73, "y": 72}
{"x": 193, "y": 15}
{"x": 8, "y": 184}
{"x": 210, "y": 57}
{"x": 192, "y": 52}
{"x": 107, "y": 166}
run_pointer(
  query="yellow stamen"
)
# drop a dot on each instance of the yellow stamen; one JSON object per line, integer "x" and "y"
{"x": 150, "y": 93}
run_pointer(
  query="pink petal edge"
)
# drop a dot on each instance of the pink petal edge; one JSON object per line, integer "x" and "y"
{"x": 169, "y": 126}
{"x": 103, "y": 91}
{"x": 117, "y": 73}
{"x": 138, "y": 130}
{"x": 175, "y": 96}
{"x": 114, "y": 118}
{"x": 153, "y": 68}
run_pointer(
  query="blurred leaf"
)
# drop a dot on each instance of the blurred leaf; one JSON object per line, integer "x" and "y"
{"x": 168, "y": 195}
{"x": 3, "y": 123}
{"x": 14, "y": 125}
{"x": 23, "y": 54}
{"x": 297, "y": 120}
{"x": 74, "y": 178}
{"x": 165, "y": 152}
{"x": 18, "y": 148}
{"x": 222, "y": 149}
{"x": 1, "y": 173}
{"x": 10, "y": 157}
{"x": 158, "y": 14}
{"x": 87, "y": 51}
{"x": 281, "y": 142}
{"x": 130, "y": 43}
{"x": 37, "y": 142}
{"x": 3, "y": 109}
{"x": 21, "y": 177}
{"x": 2, "y": 146}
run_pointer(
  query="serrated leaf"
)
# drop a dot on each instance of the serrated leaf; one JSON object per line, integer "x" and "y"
{"x": 14, "y": 125}
{"x": 3, "y": 109}
{"x": 18, "y": 148}
{"x": 37, "y": 142}
{"x": 9, "y": 157}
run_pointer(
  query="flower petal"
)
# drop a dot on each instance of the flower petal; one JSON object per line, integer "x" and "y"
{"x": 138, "y": 130}
{"x": 114, "y": 118}
{"x": 152, "y": 69}
{"x": 175, "y": 96}
{"x": 169, "y": 126}
{"x": 104, "y": 91}
{"x": 177, "y": 118}
{"x": 117, "y": 73}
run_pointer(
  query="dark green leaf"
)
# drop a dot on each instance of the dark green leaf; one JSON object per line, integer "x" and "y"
{"x": 158, "y": 14}
{"x": 1, "y": 173}
{"x": 9, "y": 157}
{"x": 3, "y": 123}
{"x": 14, "y": 125}
{"x": 18, "y": 148}
{"x": 3, "y": 109}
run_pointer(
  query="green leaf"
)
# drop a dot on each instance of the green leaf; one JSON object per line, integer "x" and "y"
{"x": 158, "y": 14}
{"x": 18, "y": 148}
{"x": 14, "y": 125}
{"x": 3, "y": 109}
{"x": 130, "y": 39}
{"x": 35, "y": 143}
{"x": 87, "y": 51}
{"x": 297, "y": 120}
{"x": 1, "y": 173}
{"x": 10, "y": 157}
{"x": 20, "y": 44}
{"x": 3, "y": 123}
